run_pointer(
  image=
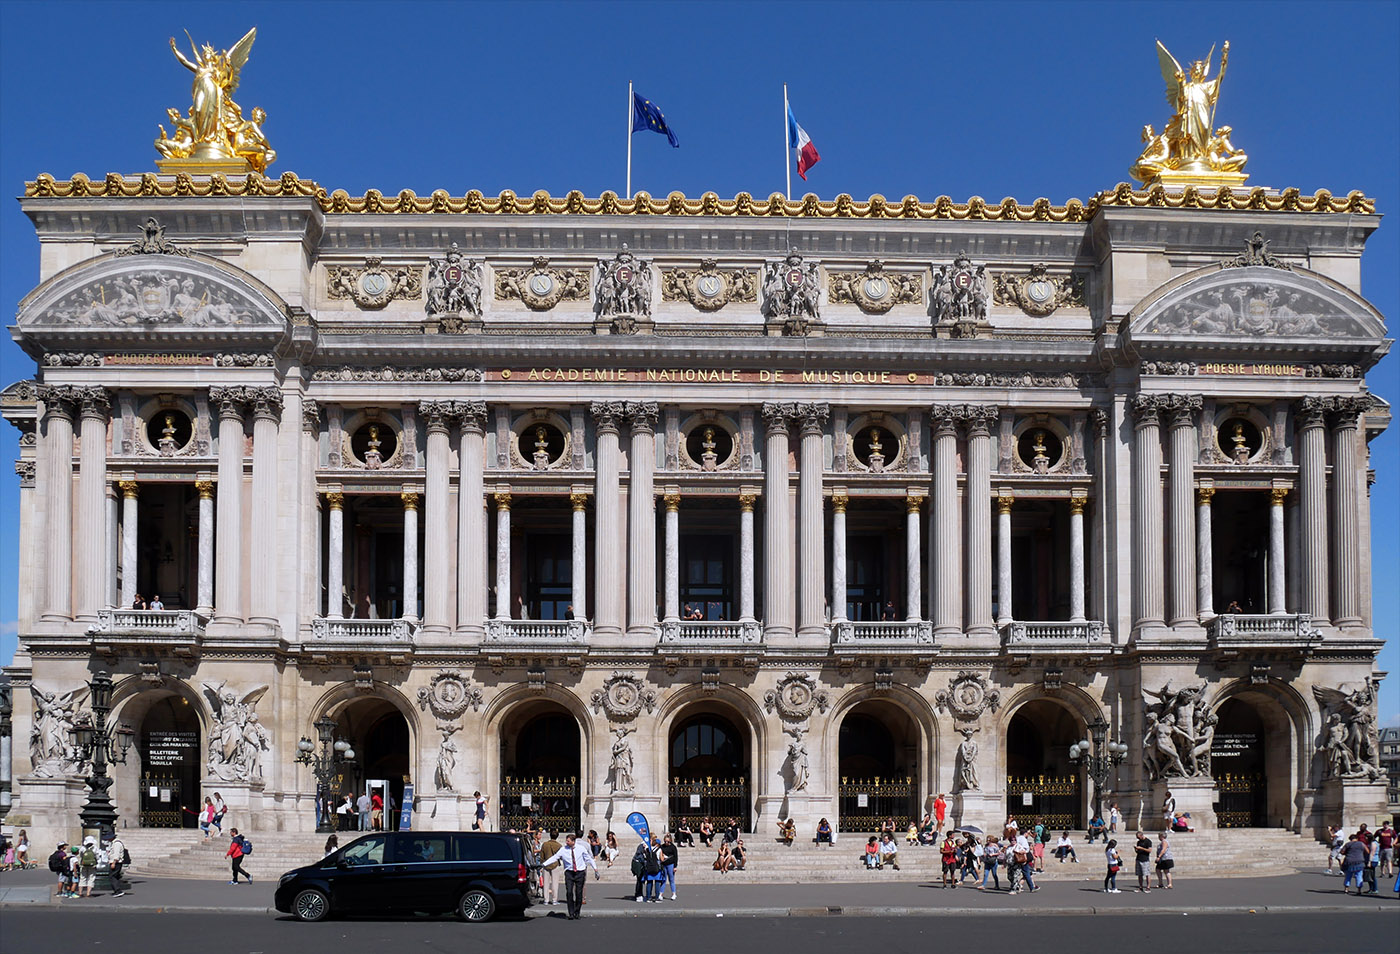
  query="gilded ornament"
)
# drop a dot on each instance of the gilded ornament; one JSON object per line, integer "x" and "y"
{"x": 540, "y": 287}
{"x": 1039, "y": 293}
{"x": 372, "y": 285}
{"x": 708, "y": 289}
{"x": 213, "y": 136}
{"x": 875, "y": 290}
{"x": 1190, "y": 150}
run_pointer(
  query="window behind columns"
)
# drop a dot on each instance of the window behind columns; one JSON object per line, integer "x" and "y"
{"x": 707, "y": 576}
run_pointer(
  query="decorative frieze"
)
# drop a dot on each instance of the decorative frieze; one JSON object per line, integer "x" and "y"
{"x": 373, "y": 285}
{"x": 1039, "y": 293}
{"x": 388, "y": 373}
{"x": 708, "y": 288}
{"x": 792, "y": 294}
{"x": 875, "y": 290}
{"x": 540, "y": 287}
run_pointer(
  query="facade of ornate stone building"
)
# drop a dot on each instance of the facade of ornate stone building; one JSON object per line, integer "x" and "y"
{"x": 697, "y": 508}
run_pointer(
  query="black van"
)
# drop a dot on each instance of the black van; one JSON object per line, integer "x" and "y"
{"x": 475, "y": 873}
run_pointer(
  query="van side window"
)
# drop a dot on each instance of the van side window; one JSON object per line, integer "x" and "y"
{"x": 366, "y": 851}
{"x": 483, "y": 848}
{"x": 415, "y": 848}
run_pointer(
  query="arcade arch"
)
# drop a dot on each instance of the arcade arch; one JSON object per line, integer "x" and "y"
{"x": 878, "y": 764}
{"x": 541, "y": 757}
{"x": 1041, "y": 781}
{"x": 709, "y": 765}
{"x": 167, "y": 757}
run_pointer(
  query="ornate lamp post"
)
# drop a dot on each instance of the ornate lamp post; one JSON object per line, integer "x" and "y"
{"x": 325, "y": 765}
{"x": 1099, "y": 757}
{"x": 98, "y": 742}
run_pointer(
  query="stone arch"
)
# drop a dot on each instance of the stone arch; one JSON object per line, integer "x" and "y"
{"x": 926, "y": 724}
{"x": 507, "y": 705}
{"x": 728, "y": 703}
{"x": 335, "y": 703}
{"x": 1289, "y": 766}
{"x": 134, "y": 701}
{"x": 1082, "y": 708}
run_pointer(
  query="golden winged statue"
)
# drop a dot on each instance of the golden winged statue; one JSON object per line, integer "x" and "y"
{"x": 1190, "y": 146}
{"x": 214, "y": 130}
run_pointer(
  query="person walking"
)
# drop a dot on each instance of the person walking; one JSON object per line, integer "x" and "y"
{"x": 59, "y": 865}
{"x": 1354, "y": 857}
{"x": 1041, "y": 836}
{"x": 479, "y": 824}
{"x": 991, "y": 857}
{"x": 1142, "y": 863}
{"x": 949, "y": 852}
{"x": 1115, "y": 862}
{"x": 1026, "y": 861}
{"x": 576, "y": 860}
{"x": 220, "y": 809}
{"x": 1335, "y": 843}
{"x": 117, "y": 860}
{"x": 1165, "y": 861}
{"x": 362, "y": 807}
{"x": 22, "y": 850}
{"x": 551, "y": 869}
{"x": 1373, "y": 860}
{"x": 670, "y": 857}
{"x": 235, "y": 855}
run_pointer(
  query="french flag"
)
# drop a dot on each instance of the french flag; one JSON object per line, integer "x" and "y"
{"x": 798, "y": 139}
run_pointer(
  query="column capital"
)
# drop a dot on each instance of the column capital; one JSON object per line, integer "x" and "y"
{"x": 579, "y": 500}
{"x": 336, "y": 499}
{"x": 811, "y": 416}
{"x": 778, "y": 415}
{"x": 607, "y": 415}
{"x": 1311, "y": 411}
{"x": 502, "y": 498}
{"x": 1145, "y": 409}
{"x": 1076, "y": 505}
{"x": 641, "y": 415}
{"x": 130, "y": 489}
{"x": 1345, "y": 409}
{"x": 747, "y": 499}
{"x": 230, "y": 400}
{"x": 1099, "y": 418}
{"x": 472, "y": 415}
{"x": 978, "y": 418}
{"x": 1204, "y": 495}
{"x": 945, "y": 419}
{"x": 60, "y": 401}
{"x": 1004, "y": 501}
{"x": 1182, "y": 408}
{"x": 410, "y": 499}
{"x": 1277, "y": 495}
{"x": 672, "y": 499}
{"x": 912, "y": 503}
{"x": 265, "y": 402}
{"x": 94, "y": 402}
{"x": 438, "y": 415}
{"x": 205, "y": 488}
{"x": 310, "y": 415}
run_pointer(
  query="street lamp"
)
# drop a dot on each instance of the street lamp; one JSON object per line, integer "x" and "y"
{"x": 1099, "y": 757}
{"x": 97, "y": 742}
{"x": 335, "y": 754}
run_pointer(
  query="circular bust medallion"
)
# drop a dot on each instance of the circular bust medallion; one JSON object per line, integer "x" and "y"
{"x": 876, "y": 288}
{"x": 793, "y": 277}
{"x": 624, "y": 274}
{"x": 374, "y": 284}
{"x": 709, "y": 286}
{"x": 1040, "y": 291}
{"x": 541, "y": 283}
{"x": 797, "y": 696}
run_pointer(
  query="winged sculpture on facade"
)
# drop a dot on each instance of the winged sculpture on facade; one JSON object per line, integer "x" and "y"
{"x": 1190, "y": 143}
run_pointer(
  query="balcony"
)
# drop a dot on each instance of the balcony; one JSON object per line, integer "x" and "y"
{"x": 538, "y": 632}
{"x": 893, "y": 634}
{"x": 710, "y": 634}
{"x": 1237, "y": 631}
{"x": 1052, "y": 636}
{"x": 157, "y": 632}
{"x": 371, "y": 637}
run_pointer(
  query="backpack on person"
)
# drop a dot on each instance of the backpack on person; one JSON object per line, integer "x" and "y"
{"x": 247, "y": 845}
{"x": 653, "y": 863}
{"x": 58, "y": 861}
{"x": 89, "y": 858}
{"x": 126, "y": 856}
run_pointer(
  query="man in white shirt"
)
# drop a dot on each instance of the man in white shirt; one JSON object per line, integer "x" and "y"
{"x": 577, "y": 859}
{"x": 889, "y": 852}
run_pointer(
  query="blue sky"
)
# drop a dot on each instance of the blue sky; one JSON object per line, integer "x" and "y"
{"x": 986, "y": 99}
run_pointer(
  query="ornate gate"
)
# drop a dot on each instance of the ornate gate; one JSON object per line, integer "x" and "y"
{"x": 161, "y": 809}
{"x": 718, "y": 799}
{"x": 548, "y": 803}
{"x": 865, "y": 803}
{"x": 1057, "y": 799}
{"x": 1243, "y": 801}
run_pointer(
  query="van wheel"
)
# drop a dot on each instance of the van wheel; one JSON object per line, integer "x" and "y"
{"x": 311, "y": 905}
{"x": 476, "y": 906}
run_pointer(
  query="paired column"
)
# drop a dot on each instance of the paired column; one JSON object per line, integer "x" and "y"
{"x": 672, "y": 582}
{"x": 60, "y": 406}
{"x": 335, "y": 556}
{"x": 945, "y": 555}
{"x": 228, "y": 579}
{"x": 746, "y": 556}
{"x": 579, "y": 576}
{"x": 607, "y": 536}
{"x": 471, "y": 518}
{"x": 1004, "y": 502}
{"x": 1182, "y": 409}
{"x": 839, "y": 501}
{"x": 811, "y": 536}
{"x": 1309, "y": 413}
{"x": 111, "y": 596}
{"x": 266, "y": 405}
{"x": 94, "y": 406}
{"x": 1346, "y": 566}
{"x": 410, "y": 554}
{"x": 503, "y": 554}
{"x": 1148, "y": 600}
{"x": 641, "y": 521}
{"x": 1278, "y": 599}
{"x": 913, "y": 559}
{"x": 1205, "y": 554}
{"x": 979, "y": 419}
{"x": 777, "y": 523}
{"x": 1076, "y": 559}
{"x": 204, "y": 600}
{"x": 438, "y": 416}
{"x": 131, "y": 490}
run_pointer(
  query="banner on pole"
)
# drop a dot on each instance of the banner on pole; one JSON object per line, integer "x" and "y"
{"x": 638, "y": 821}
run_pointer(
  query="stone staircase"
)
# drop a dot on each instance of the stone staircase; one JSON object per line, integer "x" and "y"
{"x": 161, "y": 853}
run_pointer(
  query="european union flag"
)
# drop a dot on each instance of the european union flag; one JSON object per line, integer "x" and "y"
{"x": 645, "y": 115}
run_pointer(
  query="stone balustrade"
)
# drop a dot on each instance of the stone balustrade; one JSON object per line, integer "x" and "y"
{"x": 883, "y": 633}
{"x": 548, "y": 631}
{"x": 374, "y": 633}
{"x": 1054, "y": 632}
{"x": 711, "y": 632}
{"x": 1258, "y": 627}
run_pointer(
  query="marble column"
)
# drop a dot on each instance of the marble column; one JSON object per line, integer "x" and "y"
{"x": 90, "y": 569}
{"x": 608, "y": 545}
{"x": 839, "y": 502}
{"x": 204, "y": 600}
{"x": 811, "y": 533}
{"x": 978, "y": 530}
{"x": 266, "y": 405}
{"x": 746, "y": 556}
{"x": 1076, "y": 559}
{"x": 438, "y": 417}
{"x": 111, "y": 595}
{"x": 503, "y": 607}
{"x": 641, "y": 521}
{"x": 335, "y": 556}
{"x": 579, "y": 566}
{"x": 131, "y": 490}
{"x": 1181, "y": 480}
{"x": 1346, "y": 509}
{"x": 672, "y": 584}
{"x": 410, "y": 554}
{"x": 1148, "y": 600}
{"x": 913, "y": 559}
{"x": 228, "y": 576}
{"x": 777, "y": 523}
{"x": 1309, "y": 415}
{"x": 60, "y": 407}
{"x": 471, "y": 519}
{"x": 1278, "y": 573}
{"x": 945, "y": 600}
{"x": 1004, "y": 502}
{"x": 1205, "y": 554}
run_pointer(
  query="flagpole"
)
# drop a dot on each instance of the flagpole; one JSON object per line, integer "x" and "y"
{"x": 629, "y": 140}
{"x": 787, "y": 151}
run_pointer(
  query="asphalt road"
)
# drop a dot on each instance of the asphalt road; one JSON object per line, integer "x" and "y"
{"x": 130, "y": 933}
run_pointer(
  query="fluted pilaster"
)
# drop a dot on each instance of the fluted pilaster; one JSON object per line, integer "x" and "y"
{"x": 608, "y": 546}
{"x": 1148, "y": 600}
{"x": 641, "y": 521}
{"x": 777, "y": 523}
{"x": 811, "y": 536}
{"x": 1182, "y": 410}
{"x": 1309, "y": 414}
{"x": 945, "y": 554}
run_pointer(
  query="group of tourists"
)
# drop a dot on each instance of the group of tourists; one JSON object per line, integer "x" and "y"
{"x": 1146, "y": 858}
{"x": 653, "y": 866}
{"x": 210, "y": 815}
{"x": 77, "y": 865}
{"x": 1362, "y": 857}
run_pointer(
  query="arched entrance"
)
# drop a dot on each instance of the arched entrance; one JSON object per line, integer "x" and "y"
{"x": 709, "y": 769}
{"x": 379, "y": 734}
{"x": 1041, "y": 782}
{"x": 878, "y": 763}
{"x": 540, "y": 761}
{"x": 1249, "y": 758}
{"x": 162, "y": 775}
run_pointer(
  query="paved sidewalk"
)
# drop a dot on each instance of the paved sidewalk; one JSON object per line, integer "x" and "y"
{"x": 1310, "y": 892}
